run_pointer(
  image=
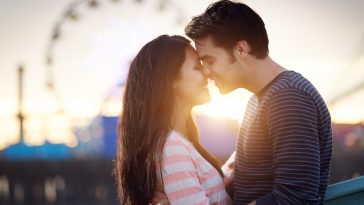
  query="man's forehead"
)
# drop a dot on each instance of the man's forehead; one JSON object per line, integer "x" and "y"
{"x": 200, "y": 43}
{"x": 204, "y": 42}
{"x": 201, "y": 46}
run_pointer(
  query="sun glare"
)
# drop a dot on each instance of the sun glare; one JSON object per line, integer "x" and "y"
{"x": 231, "y": 105}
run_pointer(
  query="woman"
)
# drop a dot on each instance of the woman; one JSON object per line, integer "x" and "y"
{"x": 160, "y": 159}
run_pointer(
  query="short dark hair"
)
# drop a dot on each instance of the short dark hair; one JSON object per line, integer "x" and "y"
{"x": 228, "y": 22}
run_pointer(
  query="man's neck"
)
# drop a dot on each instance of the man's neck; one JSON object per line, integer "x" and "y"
{"x": 265, "y": 71}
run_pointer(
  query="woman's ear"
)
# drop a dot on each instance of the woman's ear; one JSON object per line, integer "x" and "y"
{"x": 242, "y": 48}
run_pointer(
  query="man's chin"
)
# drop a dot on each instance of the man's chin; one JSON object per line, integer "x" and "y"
{"x": 224, "y": 90}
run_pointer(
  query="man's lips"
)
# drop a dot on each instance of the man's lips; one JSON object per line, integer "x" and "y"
{"x": 215, "y": 81}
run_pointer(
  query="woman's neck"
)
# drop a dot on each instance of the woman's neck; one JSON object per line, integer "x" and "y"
{"x": 180, "y": 117}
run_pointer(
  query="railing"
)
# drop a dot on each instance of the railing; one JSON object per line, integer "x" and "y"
{"x": 346, "y": 193}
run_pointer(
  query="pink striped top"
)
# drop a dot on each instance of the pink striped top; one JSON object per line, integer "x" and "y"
{"x": 185, "y": 177}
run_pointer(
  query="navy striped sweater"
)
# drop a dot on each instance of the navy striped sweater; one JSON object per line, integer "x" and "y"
{"x": 284, "y": 145}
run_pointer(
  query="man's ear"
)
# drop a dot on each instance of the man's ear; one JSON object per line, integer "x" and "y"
{"x": 242, "y": 48}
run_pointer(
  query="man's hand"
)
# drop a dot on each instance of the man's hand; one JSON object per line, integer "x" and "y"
{"x": 228, "y": 170}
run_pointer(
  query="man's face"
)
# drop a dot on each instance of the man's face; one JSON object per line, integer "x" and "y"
{"x": 219, "y": 64}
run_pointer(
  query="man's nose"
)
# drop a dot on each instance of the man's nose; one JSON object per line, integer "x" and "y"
{"x": 206, "y": 72}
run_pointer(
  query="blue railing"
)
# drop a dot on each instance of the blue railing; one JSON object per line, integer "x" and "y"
{"x": 346, "y": 192}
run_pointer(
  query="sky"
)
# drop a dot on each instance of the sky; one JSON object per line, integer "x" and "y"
{"x": 323, "y": 40}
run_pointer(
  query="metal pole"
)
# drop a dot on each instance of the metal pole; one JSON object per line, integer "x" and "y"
{"x": 20, "y": 101}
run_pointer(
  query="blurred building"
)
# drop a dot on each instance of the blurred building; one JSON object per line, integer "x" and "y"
{"x": 57, "y": 174}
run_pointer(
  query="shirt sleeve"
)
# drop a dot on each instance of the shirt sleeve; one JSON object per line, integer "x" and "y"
{"x": 291, "y": 122}
{"x": 180, "y": 178}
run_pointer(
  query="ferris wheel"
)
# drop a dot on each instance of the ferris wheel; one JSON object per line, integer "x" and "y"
{"x": 91, "y": 46}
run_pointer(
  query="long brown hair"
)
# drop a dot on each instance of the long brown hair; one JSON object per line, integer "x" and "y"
{"x": 146, "y": 118}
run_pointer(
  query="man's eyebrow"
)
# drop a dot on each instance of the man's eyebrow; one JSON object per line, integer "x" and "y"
{"x": 204, "y": 57}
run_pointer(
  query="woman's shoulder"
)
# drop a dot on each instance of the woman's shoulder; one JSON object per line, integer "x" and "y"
{"x": 176, "y": 154}
{"x": 176, "y": 138}
{"x": 176, "y": 144}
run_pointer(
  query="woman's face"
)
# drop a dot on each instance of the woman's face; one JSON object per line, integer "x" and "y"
{"x": 191, "y": 84}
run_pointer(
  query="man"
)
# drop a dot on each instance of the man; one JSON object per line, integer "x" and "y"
{"x": 284, "y": 145}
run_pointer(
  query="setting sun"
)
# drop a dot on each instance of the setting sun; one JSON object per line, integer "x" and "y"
{"x": 231, "y": 105}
